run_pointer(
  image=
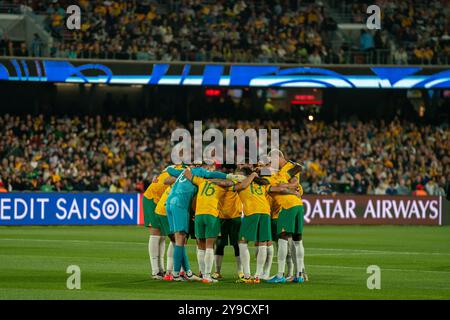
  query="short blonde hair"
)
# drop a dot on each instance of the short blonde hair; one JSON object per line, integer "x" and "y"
{"x": 278, "y": 151}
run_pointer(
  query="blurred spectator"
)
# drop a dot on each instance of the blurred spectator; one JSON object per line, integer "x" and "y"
{"x": 423, "y": 55}
{"x": 2, "y": 188}
{"x": 419, "y": 192}
{"x": 360, "y": 185}
{"x": 36, "y": 46}
{"x": 47, "y": 186}
{"x": 391, "y": 190}
{"x": 241, "y": 31}
{"x": 22, "y": 51}
{"x": 111, "y": 153}
{"x": 366, "y": 42}
{"x": 315, "y": 58}
{"x": 325, "y": 189}
{"x": 433, "y": 189}
{"x": 381, "y": 188}
{"x": 402, "y": 189}
{"x": 420, "y": 27}
{"x": 400, "y": 56}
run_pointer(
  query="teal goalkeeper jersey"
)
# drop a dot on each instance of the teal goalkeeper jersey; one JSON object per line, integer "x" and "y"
{"x": 184, "y": 190}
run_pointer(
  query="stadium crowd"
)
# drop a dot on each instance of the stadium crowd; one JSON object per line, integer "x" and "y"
{"x": 192, "y": 30}
{"x": 420, "y": 28}
{"x": 115, "y": 154}
{"x": 240, "y": 31}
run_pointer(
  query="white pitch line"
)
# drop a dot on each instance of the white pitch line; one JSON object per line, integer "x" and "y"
{"x": 362, "y": 268}
{"x": 383, "y": 251}
{"x": 340, "y": 254}
{"x": 366, "y": 251}
{"x": 72, "y": 241}
{"x": 356, "y": 251}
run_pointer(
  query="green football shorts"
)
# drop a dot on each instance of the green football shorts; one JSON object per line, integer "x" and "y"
{"x": 290, "y": 220}
{"x": 256, "y": 227}
{"x": 229, "y": 232}
{"x": 206, "y": 226}
{"x": 149, "y": 212}
{"x": 162, "y": 223}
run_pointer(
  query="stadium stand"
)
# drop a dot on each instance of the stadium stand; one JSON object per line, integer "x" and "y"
{"x": 244, "y": 31}
{"x": 419, "y": 28}
{"x": 113, "y": 153}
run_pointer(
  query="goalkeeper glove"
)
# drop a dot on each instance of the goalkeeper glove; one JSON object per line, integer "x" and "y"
{"x": 235, "y": 177}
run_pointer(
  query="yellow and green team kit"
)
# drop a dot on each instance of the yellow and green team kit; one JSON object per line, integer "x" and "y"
{"x": 290, "y": 216}
{"x": 274, "y": 212}
{"x": 230, "y": 214}
{"x": 152, "y": 196}
{"x": 160, "y": 217}
{"x": 256, "y": 225}
{"x": 221, "y": 209}
{"x": 207, "y": 222}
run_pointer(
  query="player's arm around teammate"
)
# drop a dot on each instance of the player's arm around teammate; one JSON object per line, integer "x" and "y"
{"x": 178, "y": 206}
{"x": 297, "y": 238}
{"x": 256, "y": 225}
{"x": 207, "y": 223}
{"x": 290, "y": 220}
{"x": 230, "y": 215}
{"x": 163, "y": 222}
{"x": 157, "y": 239}
{"x": 296, "y": 248}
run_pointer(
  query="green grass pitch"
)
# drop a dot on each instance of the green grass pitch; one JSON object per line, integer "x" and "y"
{"x": 414, "y": 262}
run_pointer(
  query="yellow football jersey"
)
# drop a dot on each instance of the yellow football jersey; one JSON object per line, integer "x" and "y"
{"x": 275, "y": 208}
{"x": 208, "y": 196}
{"x": 300, "y": 188}
{"x": 286, "y": 201}
{"x": 285, "y": 171}
{"x": 230, "y": 205}
{"x": 254, "y": 199}
{"x": 156, "y": 189}
{"x": 161, "y": 206}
